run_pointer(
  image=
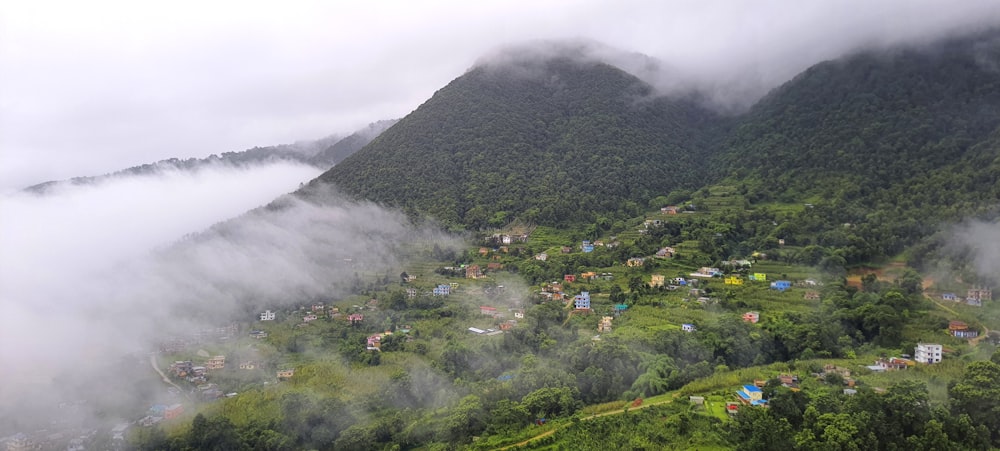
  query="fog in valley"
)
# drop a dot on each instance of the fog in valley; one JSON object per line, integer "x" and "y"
{"x": 95, "y": 277}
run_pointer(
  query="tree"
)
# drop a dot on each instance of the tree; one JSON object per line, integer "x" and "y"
{"x": 977, "y": 394}
{"x": 404, "y": 277}
{"x": 755, "y": 429}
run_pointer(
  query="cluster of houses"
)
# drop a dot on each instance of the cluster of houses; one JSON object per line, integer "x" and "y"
{"x": 501, "y": 324}
{"x": 960, "y": 329}
{"x": 177, "y": 344}
{"x": 160, "y": 412}
{"x": 975, "y": 296}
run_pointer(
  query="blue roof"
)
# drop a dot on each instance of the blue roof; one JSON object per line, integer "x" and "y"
{"x": 751, "y": 388}
{"x": 742, "y": 395}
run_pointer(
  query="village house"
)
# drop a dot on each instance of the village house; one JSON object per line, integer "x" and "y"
{"x": 589, "y": 275}
{"x": 619, "y": 308}
{"x": 733, "y": 280}
{"x": 473, "y": 272}
{"x": 569, "y": 278}
{"x": 519, "y": 313}
{"x": 258, "y": 334}
{"x": 686, "y": 327}
{"x": 411, "y": 293}
{"x": 669, "y": 210}
{"x": 738, "y": 263}
{"x": 565, "y": 249}
{"x": 442, "y": 290}
{"x": 507, "y": 325}
{"x": 375, "y": 342}
{"x": 333, "y": 312}
{"x": 927, "y": 353}
{"x": 635, "y": 262}
{"x": 181, "y": 368}
{"x": 665, "y": 252}
{"x": 483, "y": 251}
{"x": 248, "y": 365}
{"x": 781, "y": 285}
{"x": 751, "y": 317}
{"x": 216, "y": 363}
{"x": 582, "y": 301}
{"x": 494, "y": 266}
{"x": 657, "y": 280}
{"x": 487, "y": 310}
{"x": 811, "y": 295}
{"x": 789, "y": 381}
{"x": 981, "y": 293}
{"x": 751, "y": 395}
{"x": 587, "y": 246}
{"x": 890, "y": 364}
{"x": 355, "y": 318}
{"x": 318, "y": 307}
{"x": 542, "y": 257}
{"x": 173, "y": 411}
{"x": 960, "y": 329}
{"x": 949, "y": 297}
{"x": 309, "y": 318}
{"x": 605, "y": 324}
{"x": 758, "y": 277}
{"x": 285, "y": 374}
{"x": 267, "y": 316}
{"x": 705, "y": 271}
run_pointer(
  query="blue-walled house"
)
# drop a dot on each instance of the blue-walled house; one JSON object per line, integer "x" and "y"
{"x": 781, "y": 285}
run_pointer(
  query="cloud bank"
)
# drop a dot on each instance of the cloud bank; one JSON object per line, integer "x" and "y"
{"x": 92, "y": 274}
{"x": 109, "y": 84}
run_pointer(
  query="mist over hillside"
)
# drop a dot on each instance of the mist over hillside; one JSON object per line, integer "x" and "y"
{"x": 561, "y": 132}
{"x": 88, "y": 312}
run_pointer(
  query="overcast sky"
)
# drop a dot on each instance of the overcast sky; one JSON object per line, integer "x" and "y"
{"x": 91, "y": 87}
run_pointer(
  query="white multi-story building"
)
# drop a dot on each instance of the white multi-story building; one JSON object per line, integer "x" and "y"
{"x": 267, "y": 316}
{"x": 927, "y": 353}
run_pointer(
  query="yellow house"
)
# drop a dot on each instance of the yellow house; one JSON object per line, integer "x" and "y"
{"x": 635, "y": 262}
{"x": 733, "y": 280}
{"x": 657, "y": 280}
{"x": 605, "y": 324}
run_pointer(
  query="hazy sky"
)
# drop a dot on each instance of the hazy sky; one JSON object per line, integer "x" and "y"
{"x": 91, "y": 87}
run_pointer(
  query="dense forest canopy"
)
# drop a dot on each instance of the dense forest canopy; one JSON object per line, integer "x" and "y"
{"x": 553, "y": 141}
{"x": 893, "y": 142}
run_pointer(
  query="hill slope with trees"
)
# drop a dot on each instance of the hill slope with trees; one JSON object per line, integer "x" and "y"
{"x": 554, "y": 141}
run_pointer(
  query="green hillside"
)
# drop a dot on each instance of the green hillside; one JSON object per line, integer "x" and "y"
{"x": 885, "y": 145}
{"x": 557, "y": 142}
{"x": 890, "y": 142}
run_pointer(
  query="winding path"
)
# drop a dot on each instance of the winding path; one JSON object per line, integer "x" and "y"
{"x": 152, "y": 362}
{"x": 612, "y": 412}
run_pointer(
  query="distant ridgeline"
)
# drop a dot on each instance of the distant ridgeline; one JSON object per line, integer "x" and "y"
{"x": 322, "y": 153}
{"x": 891, "y": 142}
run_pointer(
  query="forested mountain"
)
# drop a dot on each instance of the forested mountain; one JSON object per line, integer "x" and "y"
{"x": 891, "y": 142}
{"x": 555, "y": 140}
{"x": 343, "y": 148}
{"x": 322, "y": 153}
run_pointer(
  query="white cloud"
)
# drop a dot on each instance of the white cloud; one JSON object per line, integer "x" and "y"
{"x": 97, "y": 86}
